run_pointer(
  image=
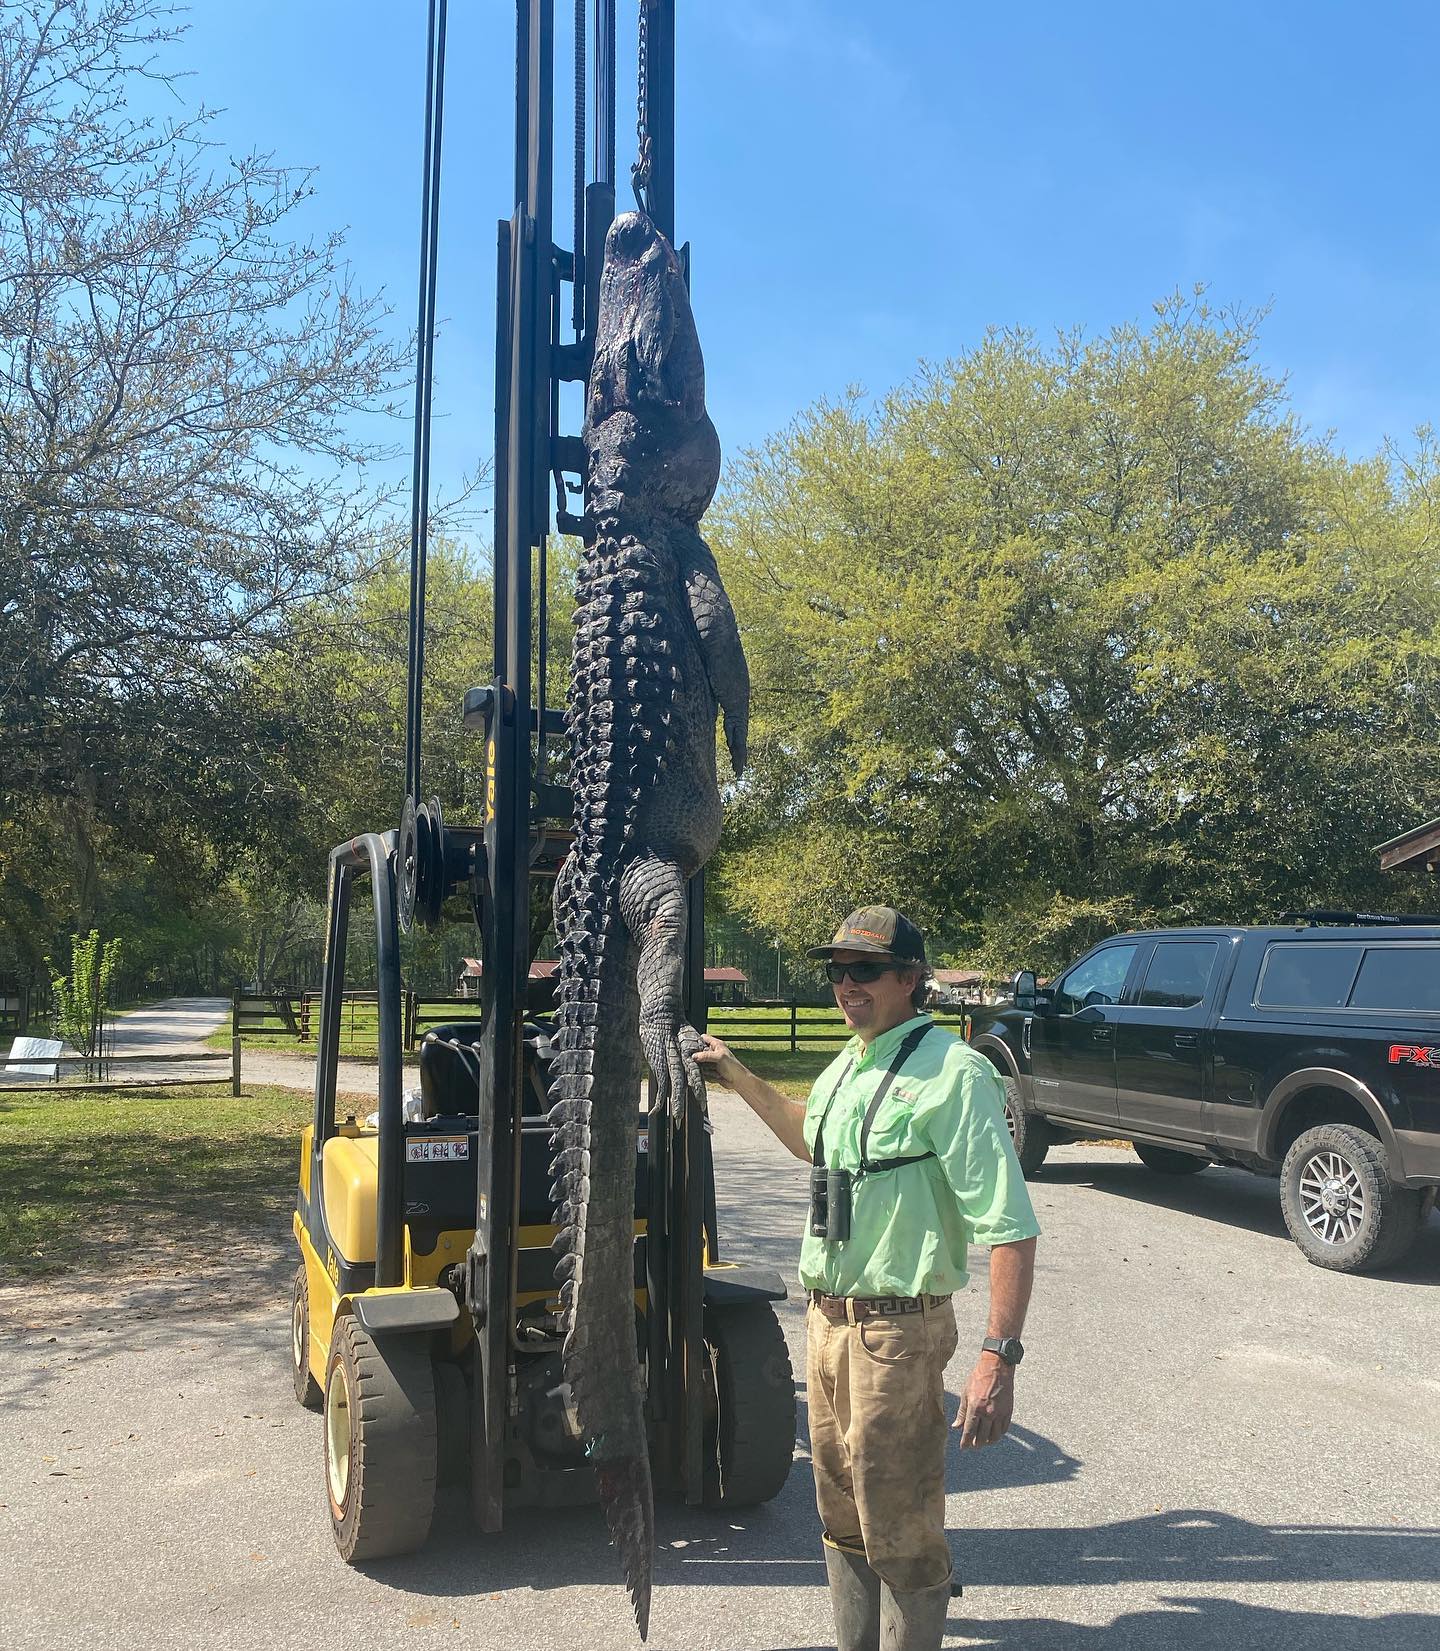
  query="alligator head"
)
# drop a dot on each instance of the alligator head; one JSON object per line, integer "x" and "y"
{"x": 646, "y": 427}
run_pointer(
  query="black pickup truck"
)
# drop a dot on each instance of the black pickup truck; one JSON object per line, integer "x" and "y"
{"x": 1311, "y": 1052}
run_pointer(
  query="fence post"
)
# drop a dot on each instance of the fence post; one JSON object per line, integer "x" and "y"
{"x": 794, "y": 1028}
{"x": 235, "y": 1043}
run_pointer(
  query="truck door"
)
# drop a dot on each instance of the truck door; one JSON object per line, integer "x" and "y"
{"x": 1162, "y": 1039}
{"x": 1072, "y": 1048}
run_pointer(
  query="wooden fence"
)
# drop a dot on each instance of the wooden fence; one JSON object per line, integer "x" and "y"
{"x": 296, "y": 1014}
{"x": 103, "y": 1065}
{"x": 293, "y": 1014}
{"x": 797, "y": 1025}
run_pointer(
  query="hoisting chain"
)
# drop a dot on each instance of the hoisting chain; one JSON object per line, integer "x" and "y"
{"x": 640, "y": 172}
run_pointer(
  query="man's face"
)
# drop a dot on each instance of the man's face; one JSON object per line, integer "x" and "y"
{"x": 877, "y": 1005}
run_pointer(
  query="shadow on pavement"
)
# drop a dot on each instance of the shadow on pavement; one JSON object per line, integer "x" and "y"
{"x": 1022, "y": 1458}
{"x": 51, "y": 1329}
{"x": 778, "y": 1545}
{"x": 1228, "y": 1197}
{"x": 1199, "y": 1624}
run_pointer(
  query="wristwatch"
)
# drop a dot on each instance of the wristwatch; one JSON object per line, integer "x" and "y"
{"x": 1006, "y": 1347}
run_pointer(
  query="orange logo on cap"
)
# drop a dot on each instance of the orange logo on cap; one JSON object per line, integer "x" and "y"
{"x": 869, "y": 934}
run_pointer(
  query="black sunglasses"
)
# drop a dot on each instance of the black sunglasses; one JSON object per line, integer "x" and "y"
{"x": 861, "y": 973}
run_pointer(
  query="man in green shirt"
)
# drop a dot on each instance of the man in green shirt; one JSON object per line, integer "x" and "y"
{"x": 906, "y": 1130}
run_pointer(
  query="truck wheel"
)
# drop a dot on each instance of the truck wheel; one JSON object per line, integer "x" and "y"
{"x": 750, "y": 1394}
{"x": 380, "y": 1456}
{"x": 307, "y": 1389}
{"x": 1030, "y": 1134}
{"x": 1340, "y": 1204}
{"x": 1165, "y": 1162}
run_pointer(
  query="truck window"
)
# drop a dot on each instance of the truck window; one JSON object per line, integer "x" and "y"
{"x": 1097, "y": 980}
{"x": 1178, "y": 974}
{"x": 1313, "y": 975}
{"x": 1398, "y": 977}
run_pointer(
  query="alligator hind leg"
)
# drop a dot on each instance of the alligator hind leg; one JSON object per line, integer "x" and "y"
{"x": 652, "y": 902}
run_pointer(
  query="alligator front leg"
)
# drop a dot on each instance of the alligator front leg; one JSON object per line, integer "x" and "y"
{"x": 719, "y": 637}
{"x": 652, "y": 902}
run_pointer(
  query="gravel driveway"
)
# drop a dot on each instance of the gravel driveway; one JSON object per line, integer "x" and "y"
{"x": 1217, "y": 1446}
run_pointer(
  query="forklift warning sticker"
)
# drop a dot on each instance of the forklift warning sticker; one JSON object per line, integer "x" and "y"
{"x": 438, "y": 1149}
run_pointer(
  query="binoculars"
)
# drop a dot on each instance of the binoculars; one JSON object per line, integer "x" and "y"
{"x": 830, "y": 1203}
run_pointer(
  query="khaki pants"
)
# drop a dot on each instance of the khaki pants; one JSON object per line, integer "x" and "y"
{"x": 878, "y": 1436}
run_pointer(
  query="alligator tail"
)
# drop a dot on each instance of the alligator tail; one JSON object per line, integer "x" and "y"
{"x": 620, "y": 673}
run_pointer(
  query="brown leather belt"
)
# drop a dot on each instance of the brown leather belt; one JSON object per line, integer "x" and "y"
{"x": 855, "y": 1309}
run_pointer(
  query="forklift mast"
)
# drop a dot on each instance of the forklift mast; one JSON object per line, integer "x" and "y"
{"x": 446, "y": 1331}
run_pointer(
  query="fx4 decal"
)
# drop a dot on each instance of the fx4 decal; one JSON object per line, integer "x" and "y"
{"x": 1410, "y": 1054}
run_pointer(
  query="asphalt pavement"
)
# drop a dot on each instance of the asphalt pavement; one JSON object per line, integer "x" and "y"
{"x": 1216, "y": 1446}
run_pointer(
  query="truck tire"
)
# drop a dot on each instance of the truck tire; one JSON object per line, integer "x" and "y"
{"x": 1340, "y": 1204}
{"x": 307, "y": 1389}
{"x": 750, "y": 1442}
{"x": 1166, "y": 1162}
{"x": 380, "y": 1451}
{"x": 1030, "y": 1134}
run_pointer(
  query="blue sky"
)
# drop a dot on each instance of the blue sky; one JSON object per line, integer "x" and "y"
{"x": 868, "y": 184}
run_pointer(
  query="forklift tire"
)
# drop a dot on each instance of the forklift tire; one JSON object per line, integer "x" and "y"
{"x": 380, "y": 1446}
{"x": 750, "y": 1439}
{"x": 307, "y": 1389}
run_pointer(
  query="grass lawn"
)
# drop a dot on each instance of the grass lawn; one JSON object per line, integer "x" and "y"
{"x": 359, "y": 1031}
{"x": 84, "y": 1175}
{"x": 792, "y": 1074}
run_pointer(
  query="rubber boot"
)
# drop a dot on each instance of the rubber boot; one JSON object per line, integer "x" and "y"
{"x": 913, "y": 1619}
{"x": 854, "y": 1598}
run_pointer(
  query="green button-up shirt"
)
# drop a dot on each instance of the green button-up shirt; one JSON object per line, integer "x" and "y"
{"x": 911, "y": 1227}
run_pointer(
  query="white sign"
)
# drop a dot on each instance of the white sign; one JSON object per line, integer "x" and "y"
{"x": 438, "y": 1149}
{"x": 27, "y": 1049}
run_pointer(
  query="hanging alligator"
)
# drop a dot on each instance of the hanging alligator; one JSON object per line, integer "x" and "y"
{"x": 656, "y": 653}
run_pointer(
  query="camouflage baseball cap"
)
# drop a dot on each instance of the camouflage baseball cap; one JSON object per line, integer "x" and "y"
{"x": 879, "y": 929}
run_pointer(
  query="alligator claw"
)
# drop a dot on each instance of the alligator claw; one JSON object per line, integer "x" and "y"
{"x": 678, "y": 1080}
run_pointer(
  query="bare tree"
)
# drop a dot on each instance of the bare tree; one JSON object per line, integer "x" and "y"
{"x": 179, "y": 384}
{"x": 177, "y": 462}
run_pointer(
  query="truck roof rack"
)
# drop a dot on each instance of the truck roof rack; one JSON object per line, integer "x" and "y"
{"x": 1371, "y": 919}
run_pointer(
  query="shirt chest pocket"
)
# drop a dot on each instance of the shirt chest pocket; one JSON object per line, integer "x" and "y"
{"x": 892, "y": 1132}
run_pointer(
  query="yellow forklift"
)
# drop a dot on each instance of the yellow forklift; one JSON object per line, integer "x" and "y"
{"x": 424, "y": 1304}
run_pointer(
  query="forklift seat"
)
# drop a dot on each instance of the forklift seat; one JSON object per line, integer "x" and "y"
{"x": 450, "y": 1070}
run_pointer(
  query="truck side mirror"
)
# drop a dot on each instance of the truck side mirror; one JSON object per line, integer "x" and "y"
{"x": 1024, "y": 989}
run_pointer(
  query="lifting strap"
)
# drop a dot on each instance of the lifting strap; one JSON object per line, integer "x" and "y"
{"x": 868, "y": 1165}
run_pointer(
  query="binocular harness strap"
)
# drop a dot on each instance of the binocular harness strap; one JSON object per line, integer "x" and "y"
{"x": 869, "y": 1166}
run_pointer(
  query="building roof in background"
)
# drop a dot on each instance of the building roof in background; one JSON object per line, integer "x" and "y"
{"x": 541, "y": 969}
{"x": 959, "y": 977}
{"x": 1417, "y": 849}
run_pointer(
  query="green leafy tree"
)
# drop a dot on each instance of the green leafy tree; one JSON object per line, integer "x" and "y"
{"x": 1053, "y": 641}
